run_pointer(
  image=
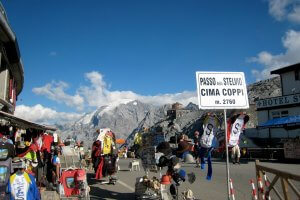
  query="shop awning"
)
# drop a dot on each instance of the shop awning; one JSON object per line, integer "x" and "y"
{"x": 282, "y": 121}
{"x": 22, "y": 123}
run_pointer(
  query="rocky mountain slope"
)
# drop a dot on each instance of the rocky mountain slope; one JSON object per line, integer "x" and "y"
{"x": 129, "y": 116}
{"x": 264, "y": 89}
{"x": 122, "y": 119}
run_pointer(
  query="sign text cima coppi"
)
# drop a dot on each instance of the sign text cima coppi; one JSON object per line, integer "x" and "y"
{"x": 222, "y": 90}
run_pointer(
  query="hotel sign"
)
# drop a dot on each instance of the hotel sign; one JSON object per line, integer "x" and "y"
{"x": 278, "y": 101}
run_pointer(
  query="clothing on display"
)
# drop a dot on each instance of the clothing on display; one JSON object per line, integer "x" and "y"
{"x": 22, "y": 186}
{"x": 18, "y": 135}
{"x": 235, "y": 132}
{"x": 235, "y": 126}
{"x": 107, "y": 144}
{"x": 47, "y": 140}
{"x": 211, "y": 126}
{"x": 55, "y": 137}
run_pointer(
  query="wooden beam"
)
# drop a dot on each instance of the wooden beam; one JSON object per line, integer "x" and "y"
{"x": 273, "y": 182}
{"x": 285, "y": 188}
{"x": 272, "y": 186}
{"x": 277, "y": 193}
{"x": 280, "y": 173}
{"x": 294, "y": 188}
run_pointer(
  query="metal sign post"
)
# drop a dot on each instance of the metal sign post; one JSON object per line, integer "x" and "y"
{"x": 222, "y": 90}
{"x": 227, "y": 156}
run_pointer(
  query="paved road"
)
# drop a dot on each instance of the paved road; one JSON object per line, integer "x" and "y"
{"x": 203, "y": 189}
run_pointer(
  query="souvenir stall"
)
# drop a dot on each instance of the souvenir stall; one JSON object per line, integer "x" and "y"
{"x": 22, "y": 141}
{"x": 155, "y": 154}
{"x": 7, "y": 153}
{"x": 104, "y": 155}
{"x": 146, "y": 187}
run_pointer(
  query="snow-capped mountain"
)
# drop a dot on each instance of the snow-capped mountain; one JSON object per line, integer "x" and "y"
{"x": 126, "y": 116}
{"x": 121, "y": 117}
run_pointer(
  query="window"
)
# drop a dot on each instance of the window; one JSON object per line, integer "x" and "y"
{"x": 297, "y": 75}
{"x": 284, "y": 113}
{"x": 275, "y": 114}
{"x": 278, "y": 114}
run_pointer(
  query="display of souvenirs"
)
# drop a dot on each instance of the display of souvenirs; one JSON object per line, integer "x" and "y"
{"x": 148, "y": 188}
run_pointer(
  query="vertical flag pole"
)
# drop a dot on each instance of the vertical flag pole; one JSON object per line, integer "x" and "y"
{"x": 227, "y": 158}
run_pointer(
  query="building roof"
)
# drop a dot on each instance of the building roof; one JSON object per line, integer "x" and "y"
{"x": 286, "y": 69}
{"x": 9, "y": 40}
{"x": 24, "y": 123}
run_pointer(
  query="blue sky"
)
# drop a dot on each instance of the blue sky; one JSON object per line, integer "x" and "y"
{"x": 79, "y": 55}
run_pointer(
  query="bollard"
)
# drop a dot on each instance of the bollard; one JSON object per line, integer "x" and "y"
{"x": 254, "y": 195}
{"x": 267, "y": 184}
{"x": 231, "y": 190}
{"x": 261, "y": 188}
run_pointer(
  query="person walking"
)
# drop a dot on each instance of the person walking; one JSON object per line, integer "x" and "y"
{"x": 196, "y": 147}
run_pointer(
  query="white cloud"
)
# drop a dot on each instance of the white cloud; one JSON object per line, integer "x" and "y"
{"x": 295, "y": 15}
{"x": 97, "y": 94}
{"x": 44, "y": 115}
{"x": 56, "y": 91}
{"x": 291, "y": 43}
{"x": 285, "y": 9}
{"x": 94, "y": 94}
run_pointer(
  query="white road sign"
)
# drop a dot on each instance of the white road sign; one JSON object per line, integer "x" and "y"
{"x": 222, "y": 90}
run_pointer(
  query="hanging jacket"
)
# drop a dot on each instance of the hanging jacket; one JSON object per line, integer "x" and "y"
{"x": 23, "y": 186}
{"x": 107, "y": 145}
{"x": 47, "y": 141}
{"x": 138, "y": 138}
{"x": 235, "y": 126}
{"x": 210, "y": 127}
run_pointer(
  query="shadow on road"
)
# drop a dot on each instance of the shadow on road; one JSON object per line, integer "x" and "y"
{"x": 124, "y": 170}
{"x": 98, "y": 193}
